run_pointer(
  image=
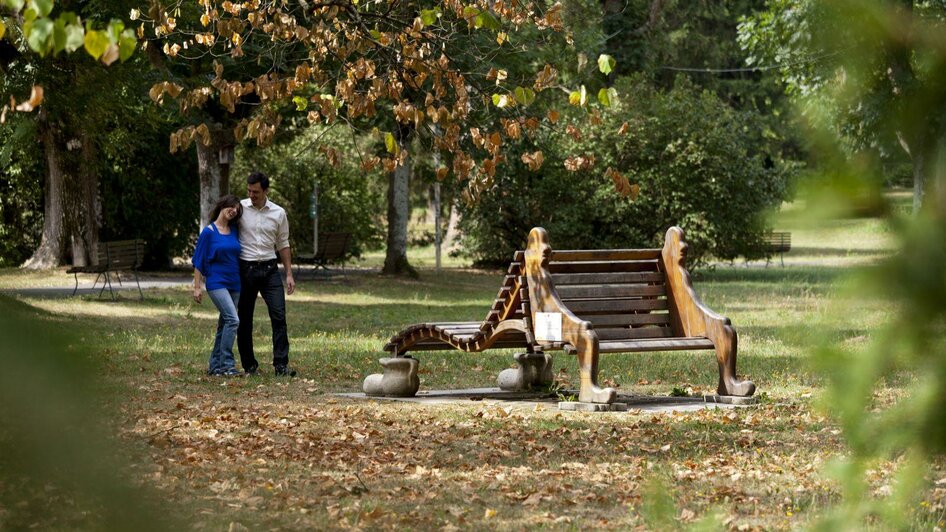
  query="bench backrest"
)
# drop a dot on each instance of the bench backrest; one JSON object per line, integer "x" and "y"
{"x": 332, "y": 246}
{"x": 778, "y": 241}
{"x": 121, "y": 254}
{"x": 622, "y": 292}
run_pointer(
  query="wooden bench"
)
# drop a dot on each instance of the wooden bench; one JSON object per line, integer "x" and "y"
{"x": 625, "y": 301}
{"x": 113, "y": 257}
{"x": 332, "y": 247}
{"x": 607, "y": 301}
{"x": 777, "y": 242}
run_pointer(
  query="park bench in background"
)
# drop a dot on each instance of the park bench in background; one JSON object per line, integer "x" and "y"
{"x": 332, "y": 247}
{"x": 777, "y": 242}
{"x": 585, "y": 302}
{"x": 112, "y": 258}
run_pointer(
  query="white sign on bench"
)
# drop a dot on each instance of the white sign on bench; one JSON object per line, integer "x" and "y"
{"x": 548, "y": 326}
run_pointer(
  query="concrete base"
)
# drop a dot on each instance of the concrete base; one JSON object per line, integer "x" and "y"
{"x": 535, "y": 370}
{"x": 592, "y": 407}
{"x": 398, "y": 380}
{"x": 731, "y": 399}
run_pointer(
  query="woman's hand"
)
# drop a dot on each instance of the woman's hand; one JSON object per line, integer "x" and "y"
{"x": 198, "y": 295}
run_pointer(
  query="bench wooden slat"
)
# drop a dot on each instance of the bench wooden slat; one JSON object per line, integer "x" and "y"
{"x": 614, "y": 306}
{"x": 634, "y": 333}
{"x": 663, "y": 344}
{"x": 623, "y": 320}
{"x": 572, "y": 292}
{"x": 603, "y": 267}
{"x": 563, "y": 279}
{"x": 576, "y": 255}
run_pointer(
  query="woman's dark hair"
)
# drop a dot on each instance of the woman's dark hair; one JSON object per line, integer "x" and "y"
{"x": 258, "y": 177}
{"x": 225, "y": 203}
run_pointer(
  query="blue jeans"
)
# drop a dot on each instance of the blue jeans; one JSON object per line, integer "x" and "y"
{"x": 221, "y": 358}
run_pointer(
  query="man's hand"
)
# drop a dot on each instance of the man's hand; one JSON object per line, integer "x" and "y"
{"x": 198, "y": 295}
{"x": 290, "y": 283}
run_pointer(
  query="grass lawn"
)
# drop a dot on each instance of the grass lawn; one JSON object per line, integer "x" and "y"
{"x": 273, "y": 453}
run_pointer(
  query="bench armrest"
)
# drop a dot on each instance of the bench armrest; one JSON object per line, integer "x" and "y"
{"x": 542, "y": 294}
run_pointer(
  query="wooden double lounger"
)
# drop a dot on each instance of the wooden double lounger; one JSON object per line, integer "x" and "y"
{"x": 588, "y": 302}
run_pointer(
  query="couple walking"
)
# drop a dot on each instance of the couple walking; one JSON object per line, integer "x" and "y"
{"x": 237, "y": 256}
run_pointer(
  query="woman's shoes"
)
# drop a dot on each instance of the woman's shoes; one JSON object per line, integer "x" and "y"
{"x": 231, "y": 372}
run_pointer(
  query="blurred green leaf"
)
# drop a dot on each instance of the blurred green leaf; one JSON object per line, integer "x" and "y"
{"x": 40, "y": 36}
{"x": 301, "y": 103}
{"x": 390, "y": 143}
{"x": 15, "y": 5}
{"x": 42, "y": 7}
{"x": 127, "y": 43}
{"x": 525, "y": 95}
{"x": 430, "y": 16}
{"x": 96, "y": 42}
{"x": 606, "y": 63}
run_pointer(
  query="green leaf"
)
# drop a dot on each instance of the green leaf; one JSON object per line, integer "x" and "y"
{"x": 114, "y": 29}
{"x": 501, "y": 100}
{"x": 301, "y": 103}
{"x": 39, "y": 36}
{"x": 15, "y": 5}
{"x": 487, "y": 20}
{"x": 42, "y": 7}
{"x": 574, "y": 98}
{"x": 127, "y": 44}
{"x": 75, "y": 37}
{"x": 59, "y": 35}
{"x": 524, "y": 95}
{"x": 608, "y": 97}
{"x": 96, "y": 42}
{"x": 606, "y": 63}
{"x": 429, "y": 16}
{"x": 390, "y": 143}
{"x": 470, "y": 12}
{"x": 375, "y": 34}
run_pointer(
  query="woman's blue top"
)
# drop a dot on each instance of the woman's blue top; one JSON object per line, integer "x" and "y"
{"x": 217, "y": 256}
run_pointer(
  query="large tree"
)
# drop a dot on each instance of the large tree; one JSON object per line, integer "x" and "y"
{"x": 66, "y": 92}
{"x": 420, "y": 69}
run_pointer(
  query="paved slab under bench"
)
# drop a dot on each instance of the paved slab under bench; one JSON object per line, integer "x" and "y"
{"x": 646, "y": 403}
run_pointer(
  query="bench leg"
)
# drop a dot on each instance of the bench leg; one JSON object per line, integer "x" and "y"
{"x": 729, "y": 384}
{"x": 137, "y": 282}
{"x": 588, "y": 369}
{"x": 76, "y": 289}
{"x": 398, "y": 380}
{"x": 534, "y": 370}
{"x": 108, "y": 281}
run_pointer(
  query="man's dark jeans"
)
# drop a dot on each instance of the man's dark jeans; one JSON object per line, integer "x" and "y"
{"x": 262, "y": 278}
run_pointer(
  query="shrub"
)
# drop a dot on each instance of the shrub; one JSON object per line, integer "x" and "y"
{"x": 699, "y": 164}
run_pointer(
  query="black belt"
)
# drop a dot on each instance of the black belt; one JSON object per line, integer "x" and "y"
{"x": 258, "y": 262}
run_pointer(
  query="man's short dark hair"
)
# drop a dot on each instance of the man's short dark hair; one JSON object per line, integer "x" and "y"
{"x": 258, "y": 177}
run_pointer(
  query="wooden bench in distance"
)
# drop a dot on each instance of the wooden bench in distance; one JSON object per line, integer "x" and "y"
{"x": 777, "y": 242}
{"x": 623, "y": 301}
{"x": 113, "y": 257}
{"x": 332, "y": 247}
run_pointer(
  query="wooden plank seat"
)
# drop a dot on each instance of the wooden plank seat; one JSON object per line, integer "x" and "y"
{"x": 505, "y": 325}
{"x": 112, "y": 258}
{"x": 623, "y": 301}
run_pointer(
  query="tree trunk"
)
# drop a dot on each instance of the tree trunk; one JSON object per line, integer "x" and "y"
{"x": 85, "y": 239}
{"x": 919, "y": 169}
{"x": 51, "y": 248}
{"x": 453, "y": 228}
{"x": 395, "y": 261}
{"x": 213, "y": 166}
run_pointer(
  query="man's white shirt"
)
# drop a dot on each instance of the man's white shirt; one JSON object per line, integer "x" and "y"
{"x": 262, "y": 231}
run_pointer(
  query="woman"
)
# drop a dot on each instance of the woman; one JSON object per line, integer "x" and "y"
{"x": 216, "y": 258}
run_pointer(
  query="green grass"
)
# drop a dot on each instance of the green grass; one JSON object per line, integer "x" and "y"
{"x": 269, "y": 452}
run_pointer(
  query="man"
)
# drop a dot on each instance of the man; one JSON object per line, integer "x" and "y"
{"x": 264, "y": 233}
